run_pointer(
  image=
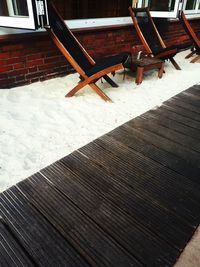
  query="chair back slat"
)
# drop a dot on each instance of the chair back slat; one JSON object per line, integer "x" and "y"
{"x": 147, "y": 28}
{"x": 190, "y": 31}
{"x": 67, "y": 38}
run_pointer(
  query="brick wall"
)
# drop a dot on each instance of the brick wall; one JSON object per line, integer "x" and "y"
{"x": 177, "y": 33}
{"x": 29, "y": 58}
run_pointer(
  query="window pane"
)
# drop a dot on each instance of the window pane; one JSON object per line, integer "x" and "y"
{"x": 159, "y": 5}
{"x": 191, "y": 4}
{"x": 84, "y": 9}
{"x": 12, "y": 8}
{"x": 3, "y": 8}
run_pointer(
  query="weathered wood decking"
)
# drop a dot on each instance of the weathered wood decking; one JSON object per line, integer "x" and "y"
{"x": 130, "y": 198}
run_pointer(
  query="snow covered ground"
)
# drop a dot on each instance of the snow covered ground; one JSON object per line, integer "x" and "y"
{"x": 38, "y": 125}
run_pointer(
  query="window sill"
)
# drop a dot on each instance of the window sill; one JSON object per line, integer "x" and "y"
{"x": 12, "y": 35}
{"x": 8, "y": 35}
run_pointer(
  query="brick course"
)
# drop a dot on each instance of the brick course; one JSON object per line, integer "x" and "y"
{"x": 26, "y": 58}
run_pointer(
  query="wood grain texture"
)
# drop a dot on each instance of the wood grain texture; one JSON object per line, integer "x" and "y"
{"x": 129, "y": 198}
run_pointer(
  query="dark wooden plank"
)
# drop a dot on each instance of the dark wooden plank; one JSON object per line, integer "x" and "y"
{"x": 146, "y": 177}
{"x": 189, "y": 98}
{"x": 126, "y": 136}
{"x": 130, "y": 198}
{"x": 195, "y": 90}
{"x": 87, "y": 237}
{"x": 151, "y": 168}
{"x": 11, "y": 253}
{"x": 181, "y": 102}
{"x": 178, "y": 117}
{"x": 44, "y": 245}
{"x": 191, "y": 95}
{"x": 182, "y": 111}
{"x": 172, "y": 124}
{"x": 117, "y": 182}
{"x": 168, "y": 145}
{"x": 134, "y": 217}
{"x": 155, "y": 126}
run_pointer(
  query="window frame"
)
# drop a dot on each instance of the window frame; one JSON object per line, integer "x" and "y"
{"x": 164, "y": 14}
{"x": 32, "y": 22}
{"x": 114, "y": 21}
{"x": 99, "y": 22}
{"x": 192, "y": 13}
{"x": 20, "y": 21}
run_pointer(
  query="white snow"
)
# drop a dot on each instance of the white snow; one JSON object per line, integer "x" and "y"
{"x": 38, "y": 125}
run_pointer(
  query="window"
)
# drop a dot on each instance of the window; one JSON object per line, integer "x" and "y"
{"x": 161, "y": 8}
{"x": 192, "y": 8}
{"x": 170, "y": 8}
{"x": 78, "y": 13}
{"x": 86, "y": 9}
{"x": 13, "y": 8}
{"x": 30, "y": 14}
{"x": 17, "y": 13}
{"x": 159, "y": 5}
{"x": 190, "y": 5}
{"x": 90, "y": 13}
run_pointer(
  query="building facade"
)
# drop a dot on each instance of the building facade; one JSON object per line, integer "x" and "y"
{"x": 28, "y": 56}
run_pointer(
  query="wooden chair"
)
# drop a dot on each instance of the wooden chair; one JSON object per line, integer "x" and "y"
{"x": 151, "y": 39}
{"x": 89, "y": 70}
{"x": 193, "y": 37}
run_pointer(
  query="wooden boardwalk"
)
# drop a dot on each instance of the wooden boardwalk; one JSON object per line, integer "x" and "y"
{"x": 130, "y": 198}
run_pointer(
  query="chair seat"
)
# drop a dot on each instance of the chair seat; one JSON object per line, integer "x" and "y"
{"x": 107, "y": 62}
{"x": 158, "y": 51}
{"x": 179, "y": 47}
{"x": 182, "y": 46}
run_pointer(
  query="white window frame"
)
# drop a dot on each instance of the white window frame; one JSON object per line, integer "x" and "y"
{"x": 164, "y": 14}
{"x": 99, "y": 22}
{"x": 193, "y": 13}
{"x": 20, "y": 22}
{"x": 86, "y": 23}
{"x": 28, "y": 22}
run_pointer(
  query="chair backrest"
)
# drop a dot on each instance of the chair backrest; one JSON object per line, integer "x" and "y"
{"x": 67, "y": 39}
{"x": 190, "y": 31}
{"x": 146, "y": 29}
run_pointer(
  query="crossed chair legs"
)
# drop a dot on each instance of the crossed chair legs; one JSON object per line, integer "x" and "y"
{"x": 193, "y": 51}
{"x": 91, "y": 80}
{"x": 195, "y": 59}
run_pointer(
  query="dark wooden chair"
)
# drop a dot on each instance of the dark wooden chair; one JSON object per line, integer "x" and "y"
{"x": 151, "y": 39}
{"x": 193, "y": 37}
{"x": 89, "y": 70}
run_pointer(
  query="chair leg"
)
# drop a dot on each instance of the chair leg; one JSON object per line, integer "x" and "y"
{"x": 80, "y": 85}
{"x": 100, "y": 92}
{"x": 195, "y": 59}
{"x": 110, "y": 81}
{"x": 190, "y": 54}
{"x": 139, "y": 75}
{"x": 160, "y": 71}
{"x": 175, "y": 64}
{"x": 93, "y": 86}
{"x": 91, "y": 82}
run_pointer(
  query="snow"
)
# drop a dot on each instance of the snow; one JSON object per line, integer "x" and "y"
{"x": 38, "y": 125}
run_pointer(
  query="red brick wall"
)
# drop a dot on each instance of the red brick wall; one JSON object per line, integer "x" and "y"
{"x": 32, "y": 57}
{"x": 28, "y": 60}
{"x": 176, "y": 32}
